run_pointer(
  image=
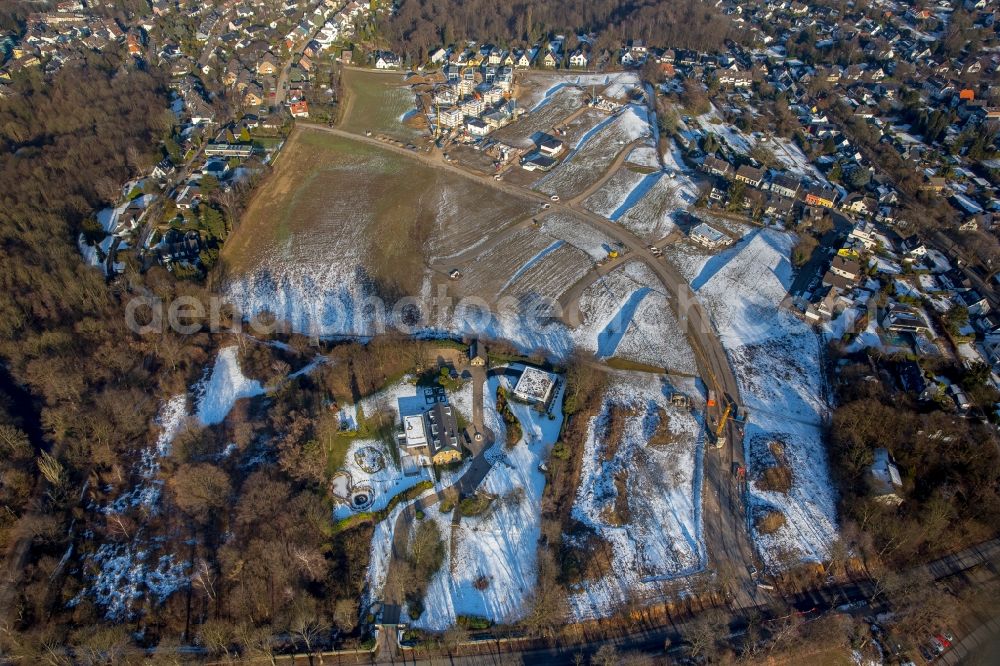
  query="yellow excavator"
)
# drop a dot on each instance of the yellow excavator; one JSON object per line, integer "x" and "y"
{"x": 720, "y": 437}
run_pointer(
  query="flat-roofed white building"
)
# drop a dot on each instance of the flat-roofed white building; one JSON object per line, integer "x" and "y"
{"x": 452, "y": 117}
{"x": 710, "y": 237}
{"x": 535, "y": 386}
{"x": 413, "y": 430}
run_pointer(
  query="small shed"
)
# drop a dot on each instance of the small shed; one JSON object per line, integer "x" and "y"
{"x": 477, "y": 354}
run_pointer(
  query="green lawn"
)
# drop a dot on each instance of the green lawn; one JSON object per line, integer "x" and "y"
{"x": 376, "y": 101}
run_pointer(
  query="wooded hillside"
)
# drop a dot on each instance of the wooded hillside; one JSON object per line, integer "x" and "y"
{"x": 419, "y": 26}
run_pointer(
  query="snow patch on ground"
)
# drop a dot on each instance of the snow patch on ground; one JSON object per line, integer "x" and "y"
{"x": 652, "y": 333}
{"x": 777, "y": 361}
{"x": 500, "y": 546}
{"x": 146, "y": 493}
{"x": 223, "y": 387}
{"x": 348, "y": 314}
{"x": 663, "y": 538}
{"x": 124, "y": 576}
{"x": 128, "y": 575}
{"x": 644, "y": 156}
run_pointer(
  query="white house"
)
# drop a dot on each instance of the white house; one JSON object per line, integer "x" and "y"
{"x": 884, "y": 478}
{"x": 451, "y": 117}
{"x": 413, "y": 429}
{"x": 709, "y": 237}
{"x": 387, "y": 60}
{"x": 476, "y": 127}
{"x": 863, "y": 234}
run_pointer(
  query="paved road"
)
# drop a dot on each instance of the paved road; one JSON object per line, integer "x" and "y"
{"x": 860, "y": 595}
{"x": 294, "y": 56}
{"x": 725, "y": 529}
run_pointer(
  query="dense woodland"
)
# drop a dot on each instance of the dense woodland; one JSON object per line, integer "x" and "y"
{"x": 950, "y": 467}
{"x": 80, "y": 392}
{"x": 420, "y": 26}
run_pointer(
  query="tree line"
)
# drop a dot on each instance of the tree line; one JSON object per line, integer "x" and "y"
{"x": 950, "y": 468}
{"x": 67, "y": 144}
{"x": 417, "y": 27}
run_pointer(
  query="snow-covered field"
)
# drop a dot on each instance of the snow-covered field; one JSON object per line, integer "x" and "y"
{"x": 776, "y": 358}
{"x": 644, "y": 156}
{"x": 547, "y": 277}
{"x": 662, "y": 539}
{"x": 615, "y": 192}
{"x": 595, "y": 152}
{"x": 626, "y": 314}
{"x": 522, "y": 329}
{"x": 696, "y": 263}
{"x": 651, "y": 216}
{"x": 543, "y": 85}
{"x": 551, "y": 108}
{"x": 319, "y": 283}
{"x": 618, "y": 86}
{"x": 646, "y": 203}
{"x": 498, "y": 265}
{"x": 316, "y": 281}
{"x": 578, "y": 234}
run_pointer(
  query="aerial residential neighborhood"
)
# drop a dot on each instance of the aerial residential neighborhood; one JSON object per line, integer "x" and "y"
{"x": 541, "y": 332}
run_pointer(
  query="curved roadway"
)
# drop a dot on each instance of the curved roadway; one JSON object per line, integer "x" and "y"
{"x": 725, "y": 528}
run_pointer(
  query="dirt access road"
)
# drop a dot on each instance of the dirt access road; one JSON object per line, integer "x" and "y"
{"x": 726, "y": 538}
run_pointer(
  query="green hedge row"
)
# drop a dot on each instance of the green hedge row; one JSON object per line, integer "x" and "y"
{"x": 377, "y": 516}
